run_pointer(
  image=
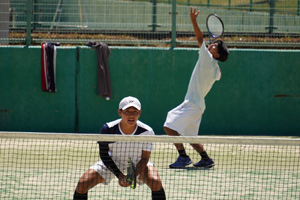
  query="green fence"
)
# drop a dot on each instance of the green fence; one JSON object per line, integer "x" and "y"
{"x": 258, "y": 93}
{"x": 251, "y": 23}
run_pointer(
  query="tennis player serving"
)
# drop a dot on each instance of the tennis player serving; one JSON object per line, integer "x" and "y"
{"x": 114, "y": 155}
{"x": 185, "y": 119}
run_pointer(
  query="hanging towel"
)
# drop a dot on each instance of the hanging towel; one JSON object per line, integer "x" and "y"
{"x": 48, "y": 66}
{"x": 103, "y": 76}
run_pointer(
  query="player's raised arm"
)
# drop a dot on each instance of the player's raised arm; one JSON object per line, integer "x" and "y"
{"x": 193, "y": 16}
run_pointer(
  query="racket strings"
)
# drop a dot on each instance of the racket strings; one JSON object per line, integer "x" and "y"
{"x": 215, "y": 26}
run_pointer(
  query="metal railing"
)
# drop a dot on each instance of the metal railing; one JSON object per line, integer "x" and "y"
{"x": 248, "y": 23}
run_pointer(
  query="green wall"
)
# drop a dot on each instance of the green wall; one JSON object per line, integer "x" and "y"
{"x": 243, "y": 102}
{"x": 23, "y": 105}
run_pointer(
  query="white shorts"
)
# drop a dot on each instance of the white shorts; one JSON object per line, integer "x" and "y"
{"x": 108, "y": 175}
{"x": 185, "y": 119}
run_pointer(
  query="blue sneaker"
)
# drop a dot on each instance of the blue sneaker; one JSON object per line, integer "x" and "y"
{"x": 205, "y": 163}
{"x": 181, "y": 162}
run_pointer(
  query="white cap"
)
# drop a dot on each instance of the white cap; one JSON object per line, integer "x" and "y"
{"x": 130, "y": 102}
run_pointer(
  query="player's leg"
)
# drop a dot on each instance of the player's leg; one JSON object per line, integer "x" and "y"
{"x": 151, "y": 178}
{"x": 88, "y": 180}
{"x": 174, "y": 123}
{"x": 198, "y": 147}
{"x": 183, "y": 159}
{"x": 205, "y": 161}
{"x": 171, "y": 132}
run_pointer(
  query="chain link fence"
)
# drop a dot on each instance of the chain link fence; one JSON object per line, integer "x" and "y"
{"x": 248, "y": 23}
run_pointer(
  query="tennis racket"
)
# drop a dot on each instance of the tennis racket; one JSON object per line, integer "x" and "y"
{"x": 131, "y": 174}
{"x": 215, "y": 27}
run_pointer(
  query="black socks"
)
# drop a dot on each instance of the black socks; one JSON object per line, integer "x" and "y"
{"x": 159, "y": 195}
{"x": 182, "y": 153}
{"x": 78, "y": 196}
{"x": 156, "y": 195}
{"x": 204, "y": 155}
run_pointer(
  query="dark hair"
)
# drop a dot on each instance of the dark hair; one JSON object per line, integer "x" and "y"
{"x": 222, "y": 50}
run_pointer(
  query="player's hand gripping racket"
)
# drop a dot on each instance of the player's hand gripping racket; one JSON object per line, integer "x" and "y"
{"x": 215, "y": 27}
{"x": 131, "y": 174}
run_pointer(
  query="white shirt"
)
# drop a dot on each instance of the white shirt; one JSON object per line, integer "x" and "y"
{"x": 204, "y": 75}
{"x": 121, "y": 151}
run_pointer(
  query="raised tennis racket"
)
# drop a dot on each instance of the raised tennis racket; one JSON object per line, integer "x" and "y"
{"x": 215, "y": 27}
{"x": 131, "y": 174}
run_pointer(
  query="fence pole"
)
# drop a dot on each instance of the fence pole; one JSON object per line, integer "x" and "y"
{"x": 298, "y": 7}
{"x": 154, "y": 14}
{"x": 29, "y": 10}
{"x": 4, "y": 16}
{"x": 272, "y": 11}
{"x": 173, "y": 34}
{"x": 250, "y": 6}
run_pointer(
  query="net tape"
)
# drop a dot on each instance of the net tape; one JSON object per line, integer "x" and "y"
{"x": 247, "y": 140}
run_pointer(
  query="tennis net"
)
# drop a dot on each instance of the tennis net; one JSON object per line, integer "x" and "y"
{"x": 49, "y": 165}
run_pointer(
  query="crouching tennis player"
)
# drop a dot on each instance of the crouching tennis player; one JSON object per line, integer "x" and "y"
{"x": 185, "y": 119}
{"x": 114, "y": 155}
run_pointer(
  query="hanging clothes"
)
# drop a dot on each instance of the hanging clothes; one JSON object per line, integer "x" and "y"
{"x": 103, "y": 75}
{"x": 48, "y": 66}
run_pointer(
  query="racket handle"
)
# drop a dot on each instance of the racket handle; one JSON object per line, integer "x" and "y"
{"x": 209, "y": 40}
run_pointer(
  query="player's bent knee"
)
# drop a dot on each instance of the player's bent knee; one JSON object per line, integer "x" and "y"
{"x": 155, "y": 185}
{"x": 88, "y": 180}
{"x": 81, "y": 189}
{"x": 82, "y": 186}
